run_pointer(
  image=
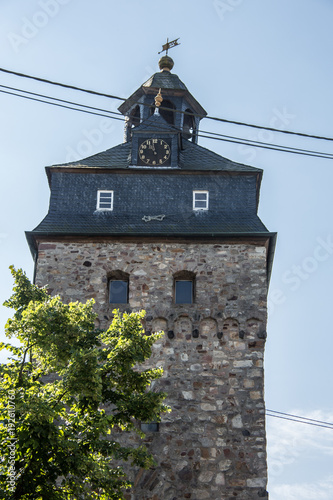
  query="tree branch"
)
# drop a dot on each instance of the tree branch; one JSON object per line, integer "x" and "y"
{"x": 23, "y": 363}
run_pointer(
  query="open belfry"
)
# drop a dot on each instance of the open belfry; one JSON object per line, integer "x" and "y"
{"x": 162, "y": 224}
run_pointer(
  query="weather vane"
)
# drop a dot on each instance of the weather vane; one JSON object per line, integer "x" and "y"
{"x": 169, "y": 45}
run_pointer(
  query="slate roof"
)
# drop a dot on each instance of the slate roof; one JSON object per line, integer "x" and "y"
{"x": 191, "y": 157}
{"x": 116, "y": 157}
{"x": 110, "y": 223}
{"x": 184, "y": 223}
{"x": 195, "y": 157}
{"x": 170, "y": 84}
{"x": 165, "y": 80}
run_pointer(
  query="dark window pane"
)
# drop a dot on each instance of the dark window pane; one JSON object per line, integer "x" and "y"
{"x": 200, "y": 204}
{"x": 183, "y": 292}
{"x": 200, "y": 196}
{"x": 150, "y": 427}
{"x": 118, "y": 292}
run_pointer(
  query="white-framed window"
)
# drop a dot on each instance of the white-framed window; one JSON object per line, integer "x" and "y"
{"x": 200, "y": 200}
{"x": 104, "y": 200}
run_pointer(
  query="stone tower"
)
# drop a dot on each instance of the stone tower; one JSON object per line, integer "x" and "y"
{"x": 162, "y": 224}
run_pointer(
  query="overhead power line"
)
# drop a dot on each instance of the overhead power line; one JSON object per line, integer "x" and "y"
{"x": 263, "y": 145}
{"x": 223, "y": 120}
{"x": 298, "y": 419}
{"x": 304, "y": 418}
{"x": 63, "y": 106}
{"x": 62, "y": 103}
{"x": 60, "y": 100}
{"x": 64, "y": 85}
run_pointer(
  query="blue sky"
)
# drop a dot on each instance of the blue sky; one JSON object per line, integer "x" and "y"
{"x": 266, "y": 62}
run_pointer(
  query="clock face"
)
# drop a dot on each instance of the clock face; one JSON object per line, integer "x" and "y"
{"x": 154, "y": 152}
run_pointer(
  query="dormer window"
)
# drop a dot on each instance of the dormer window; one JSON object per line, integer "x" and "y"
{"x": 200, "y": 200}
{"x": 104, "y": 200}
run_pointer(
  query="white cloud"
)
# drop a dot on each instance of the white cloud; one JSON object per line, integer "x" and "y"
{"x": 322, "y": 490}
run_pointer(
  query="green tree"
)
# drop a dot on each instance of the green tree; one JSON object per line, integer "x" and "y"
{"x": 71, "y": 388}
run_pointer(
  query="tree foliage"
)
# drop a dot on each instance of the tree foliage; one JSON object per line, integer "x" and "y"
{"x": 71, "y": 388}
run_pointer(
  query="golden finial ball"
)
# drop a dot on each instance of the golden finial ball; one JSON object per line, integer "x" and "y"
{"x": 166, "y": 63}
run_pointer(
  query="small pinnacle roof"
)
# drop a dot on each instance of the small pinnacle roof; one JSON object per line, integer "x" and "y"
{"x": 165, "y": 80}
{"x": 168, "y": 82}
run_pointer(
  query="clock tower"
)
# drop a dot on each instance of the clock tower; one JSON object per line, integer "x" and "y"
{"x": 162, "y": 224}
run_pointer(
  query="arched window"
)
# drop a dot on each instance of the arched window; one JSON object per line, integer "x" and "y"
{"x": 168, "y": 114}
{"x": 118, "y": 282}
{"x": 132, "y": 120}
{"x": 189, "y": 129}
{"x": 184, "y": 287}
{"x": 135, "y": 116}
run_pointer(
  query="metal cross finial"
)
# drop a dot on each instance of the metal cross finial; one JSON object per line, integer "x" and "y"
{"x": 169, "y": 45}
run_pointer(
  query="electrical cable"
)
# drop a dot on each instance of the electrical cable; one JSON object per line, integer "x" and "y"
{"x": 61, "y": 105}
{"x": 64, "y": 85}
{"x": 281, "y": 149}
{"x": 297, "y": 416}
{"x": 223, "y": 120}
{"x": 252, "y": 141}
{"x": 221, "y": 137}
{"x": 60, "y": 100}
{"x": 300, "y": 421}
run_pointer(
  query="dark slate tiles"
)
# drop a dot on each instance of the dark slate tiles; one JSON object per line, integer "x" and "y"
{"x": 165, "y": 80}
{"x": 104, "y": 223}
{"x": 191, "y": 157}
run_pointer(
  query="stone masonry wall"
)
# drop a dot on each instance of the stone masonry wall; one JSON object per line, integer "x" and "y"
{"x": 212, "y": 445}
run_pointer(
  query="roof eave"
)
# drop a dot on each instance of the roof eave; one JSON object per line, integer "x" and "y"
{"x": 135, "y": 97}
{"x": 132, "y": 99}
